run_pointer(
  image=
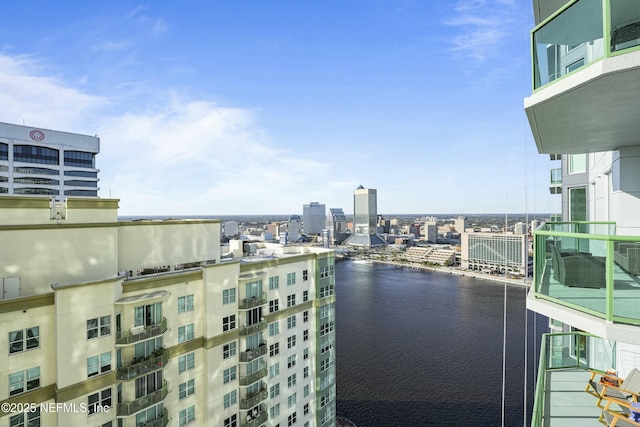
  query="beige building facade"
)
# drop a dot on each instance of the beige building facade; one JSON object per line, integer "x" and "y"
{"x": 142, "y": 323}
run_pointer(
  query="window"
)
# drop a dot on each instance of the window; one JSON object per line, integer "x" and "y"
{"x": 186, "y": 362}
{"x": 273, "y": 306}
{"x": 185, "y": 303}
{"x": 274, "y": 282}
{"x": 275, "y": 411}
{"x": 147, "y": 384}
{"x": 326, "y": 364}
{"x": 291, "y": 361}
{"x": 291, "y": 279}
{"x": 305, "y": 335}
{"x": 291, "y": 341}
{"x": 326, "y": 328}
{"x": 274, "y": 349}
{"x": 230, "y": 399}
{"x": 30, "y": 419}
{"x": 274, "y": 329}
{"x": 305, "y": 391}
{"x": 147, "y": 315}
{"x": 185, "y": 333}
{"x": 326, "y": 291}
{"x": 291, "y": 300}
{"x": 274, "y": 391}
{"x": 187, "y": 389}
{"x": 291, "y": 400}
{"x": 229, "y": 296}
{"x": 98, "y": 327}
{"x": 79, "y": 159}
{"x": 577, "y": 163}
{"x": 187, "y": 415}
{"x": 232, "y": 421}
{"x": 305, "y": 316}
{"x": 326, "y": 311}
{"x": 229, "y": 350}
{"x": 31, "y": 154}
{"x": 24, "y": 339}
{"x": 291, "y": 322}
{"x": 305, "y": 372}
{"x": 305, "y": 353}
{"x": 98, "y": 401}
{"x": 326, "y": 398}
{"x": 291, "y": 380}
{"x": 17, "y": 383}
{"x": 229, "y": 375}
{"x": 306, "y": 409}
{"x": 274, "y": 370}
{"x": 578, "y": 204}
{"x": 98, "y": 364}
{"x": 305, "y": 274}
{"x": 291, "y": 420}
{"x": 228, "y": 323}
{"x": 305, "y": 296}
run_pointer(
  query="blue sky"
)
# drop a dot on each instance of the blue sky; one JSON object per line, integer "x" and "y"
{"x": 249, "y": 107}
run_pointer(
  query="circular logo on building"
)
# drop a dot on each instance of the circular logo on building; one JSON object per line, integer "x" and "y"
{"x": 36, "y": 135}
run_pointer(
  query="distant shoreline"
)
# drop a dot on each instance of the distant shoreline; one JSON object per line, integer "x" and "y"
{"x": 450, "y": 270}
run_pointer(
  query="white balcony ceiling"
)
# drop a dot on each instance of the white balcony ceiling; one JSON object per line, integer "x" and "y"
{"x": 594, "y": 109}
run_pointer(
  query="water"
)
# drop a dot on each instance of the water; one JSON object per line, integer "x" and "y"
{"x": 418, "y": 348}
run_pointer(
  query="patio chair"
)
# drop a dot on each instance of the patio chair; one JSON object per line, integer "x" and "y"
{"x": 627, "y": 390}
{"x": 624, "y": 418}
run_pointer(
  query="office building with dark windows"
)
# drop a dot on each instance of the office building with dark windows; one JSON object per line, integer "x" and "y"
{"x": 42, "y": 162}
{"x": 365, "y": 219}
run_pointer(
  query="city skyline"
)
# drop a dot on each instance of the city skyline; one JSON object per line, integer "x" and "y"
{"x": 244, "y": 108}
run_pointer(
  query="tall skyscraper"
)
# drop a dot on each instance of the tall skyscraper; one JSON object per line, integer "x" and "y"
{"x": 313, "y": 218}
{"x": 337, "y": 226}
{"x": 42, "y": 162}
{"x": 365, "y": 219}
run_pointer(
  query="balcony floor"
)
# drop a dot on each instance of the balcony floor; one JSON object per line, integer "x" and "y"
{"x": 566, "y": 402}
{"x": 626, "y": 293}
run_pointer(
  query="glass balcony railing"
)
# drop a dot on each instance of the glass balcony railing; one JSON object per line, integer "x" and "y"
{"x": 253, "y": 399}
{"x": 581, "y": 33}
{"x": 586, "y": 267}
{"x": 143, "y": 402}
{"x": 255, "y": 418}
{"x": 157, "y": 360}
{"x": 140, "y": 333}
{"x": 252, "y": 354}
{"x": 251, "y": 378}
{"x": 562, "y": 351}
{"x": 253, "y": 328}
{"x": 249, "y": 303}
{"x": 161, "y": 421}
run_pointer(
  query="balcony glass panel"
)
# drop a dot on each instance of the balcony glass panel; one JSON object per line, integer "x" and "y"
{"x": 140, "y": 333}
{"x": 625, "y": 24}
{"x": 128, "y": 408}
{"x": 144, "y": 365}
{"x": 598, "y": 274}
{"x": 570, "y": 40}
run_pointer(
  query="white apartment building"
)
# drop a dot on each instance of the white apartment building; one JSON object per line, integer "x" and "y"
{"x": 583, "y": 111}
{"x": 141, "y": 323}
{"x": 37, "y": 162}
{"x": 495, "y": 252}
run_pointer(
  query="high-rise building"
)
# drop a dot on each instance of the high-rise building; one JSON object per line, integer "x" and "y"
{"x": 144, "y": 323}
{"x": 37, "y": 162}
{"x": 494, "y": 251}
{"x": 294, "y": 225}
{"x": 365, "y": 216}
{"x": 313, "y": 218}
{"x": 461, "y": 223}
{"x": 337, "y": 226}
{"x": 583, "y": 112}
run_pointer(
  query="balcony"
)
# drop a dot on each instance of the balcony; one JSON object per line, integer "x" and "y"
{"x": 560, "y": 396}
{"x": 555, "y": 185}
{"x": 585, "y": 267}
{"x": 161, "y": 421}
{"x": 249, "y": 303}
{"x": 140, "y": 333}
{"x": 157, "y": 360}
{"x": 253, "y": 399}
{"x": 585, "y": 65}
{"x": 252, "y": 354}
{"x": 253, "y": 328}
{"x": 256, "y": 418}
{"x": 254, "y": 376}
{"x": 128, "y": 408}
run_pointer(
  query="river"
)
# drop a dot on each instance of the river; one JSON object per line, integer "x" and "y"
{"x": 418, "y": 348}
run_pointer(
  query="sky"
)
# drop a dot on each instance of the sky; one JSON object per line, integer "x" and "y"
{"x": 212, "y": 107}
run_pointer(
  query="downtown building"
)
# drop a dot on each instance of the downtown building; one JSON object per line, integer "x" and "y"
{"x": 37, "y": 162}
{"x": 365, "y": 220}
{"x": 313, "y": 218}
{"x": 495, "y": 252}
{"x": 583, "y": 113}
{"x": 145, "y": 323}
